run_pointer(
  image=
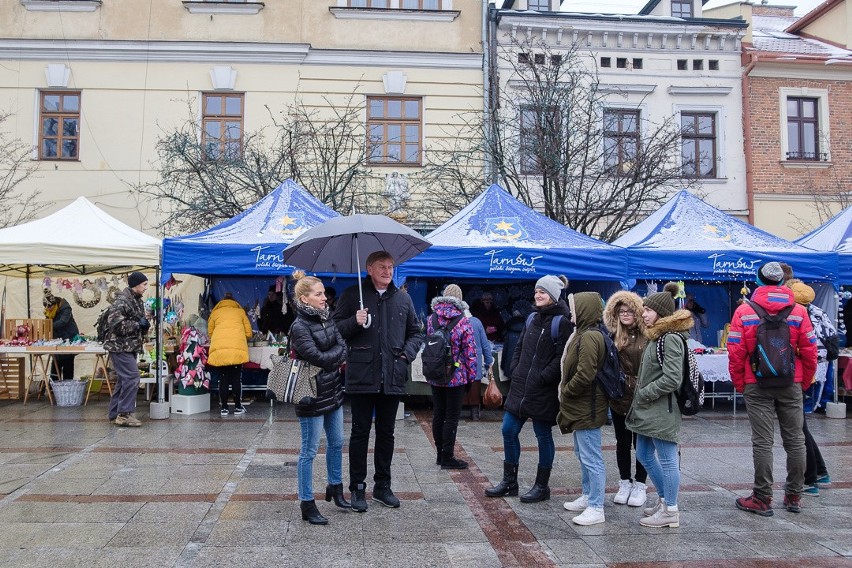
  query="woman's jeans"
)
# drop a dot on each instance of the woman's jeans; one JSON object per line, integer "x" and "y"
{"x": 625, "y": 441}
{"x": 661, "y": 461}
{"x": 587, "y": 448}
{"x": 312, "y": 428}
{"x": 512, "y": 445}
{"x": 445, "y": 420}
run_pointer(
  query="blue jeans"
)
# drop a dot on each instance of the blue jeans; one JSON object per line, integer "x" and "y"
{"x": 512, "y": 445}
{"x": 312, "y": 429}
{"x": 660, "y": 460}
{"x": 587, "y": 448}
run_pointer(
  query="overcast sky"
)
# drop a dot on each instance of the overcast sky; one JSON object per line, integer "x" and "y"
{"x": 633, "y": 6}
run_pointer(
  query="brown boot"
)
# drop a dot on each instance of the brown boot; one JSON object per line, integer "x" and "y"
{"x": 127, "y": 419}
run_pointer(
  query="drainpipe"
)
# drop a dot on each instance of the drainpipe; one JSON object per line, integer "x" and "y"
{"x": 486, "y": 83}
{"x": 747, "y": 137}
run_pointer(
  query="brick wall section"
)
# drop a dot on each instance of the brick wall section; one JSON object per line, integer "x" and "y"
{"x": 784, "y": 11}
{"x": 768, "y": 175}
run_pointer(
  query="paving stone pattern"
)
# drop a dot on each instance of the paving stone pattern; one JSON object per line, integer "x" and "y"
{"x": 205, "y": 490}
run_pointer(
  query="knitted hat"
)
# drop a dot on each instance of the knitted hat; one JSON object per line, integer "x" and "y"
{"x": 803, "y": 293}
{"x": 135, "y": 279}
{"x": 662, "y": 302}
{"x": 770, "y": 274}
{"x": 453, "y": 291}
{"x": 49, "y": 299}
{"x": 553, "y": 285}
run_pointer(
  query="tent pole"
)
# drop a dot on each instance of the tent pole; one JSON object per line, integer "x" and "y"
{"x": 158, "y": 341}
{"x": 28, "y": 292}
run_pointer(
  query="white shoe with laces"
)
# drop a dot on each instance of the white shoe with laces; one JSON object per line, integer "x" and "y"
{"x": 638, "y": 495}
{"x": 591, "y": 516}
{"x": 625, "y": 488}
{"x": 581, "y": 503}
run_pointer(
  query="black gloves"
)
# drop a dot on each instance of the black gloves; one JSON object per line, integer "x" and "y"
{"x": 144, "y": 325}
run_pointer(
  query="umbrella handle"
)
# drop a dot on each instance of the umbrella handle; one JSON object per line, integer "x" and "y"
{"x": 367, "y": 323}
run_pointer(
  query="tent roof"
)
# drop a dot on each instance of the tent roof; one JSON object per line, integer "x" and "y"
{"x": 834, "y": 235}
{"x": 80, "y": 238}
{"x": 497, "y": 236}
{"x": 689, "y": 239}
{"x": 252, "y": 243}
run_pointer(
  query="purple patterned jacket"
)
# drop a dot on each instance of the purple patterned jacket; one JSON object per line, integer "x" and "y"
{"x": 462, "y": 339}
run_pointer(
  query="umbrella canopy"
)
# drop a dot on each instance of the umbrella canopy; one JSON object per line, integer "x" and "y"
{"x": 339, "y": 244}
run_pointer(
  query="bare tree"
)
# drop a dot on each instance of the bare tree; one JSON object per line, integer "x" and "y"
{"x": 555, "y": 145}
{"x": 829, "y": 191}
{"x": 201, "y": 185}
{"x": 16, "y": 167}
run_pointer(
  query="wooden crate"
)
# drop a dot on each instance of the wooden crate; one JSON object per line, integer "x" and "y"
{"x": 38, "y": 328}
{"x": 12, "y": 377}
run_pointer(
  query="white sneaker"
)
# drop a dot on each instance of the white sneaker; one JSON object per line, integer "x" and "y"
{"x": 591, "y": 516}
{"x": 581, "y": 503}
{"x": 638, "y": 495}
{"x": 625, "y": 487}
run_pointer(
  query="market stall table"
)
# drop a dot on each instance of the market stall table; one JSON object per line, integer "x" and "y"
{"x": 42, "y": 358}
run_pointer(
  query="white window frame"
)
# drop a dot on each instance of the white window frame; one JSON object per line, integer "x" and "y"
{"x": 823, "y": 120}
{"x": 721, "y": 142}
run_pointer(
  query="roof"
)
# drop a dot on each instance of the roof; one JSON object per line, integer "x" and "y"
{"x": 813, "y": 15}
{"x": 771, "y": 33}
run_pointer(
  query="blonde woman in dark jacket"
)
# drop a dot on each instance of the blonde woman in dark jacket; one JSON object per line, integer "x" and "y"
{"x": 623, "y": 318}
{"x": 315, "y": 339}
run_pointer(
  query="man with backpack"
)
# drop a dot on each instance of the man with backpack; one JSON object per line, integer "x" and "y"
{"x": 772, "y": 355}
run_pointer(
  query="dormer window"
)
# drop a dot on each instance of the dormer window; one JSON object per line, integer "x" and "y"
{"x": 540, "y": 5}
{"x": 681, "y": 9}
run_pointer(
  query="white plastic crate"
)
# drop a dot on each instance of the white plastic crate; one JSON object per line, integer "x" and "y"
{"x": 190, "y": 404}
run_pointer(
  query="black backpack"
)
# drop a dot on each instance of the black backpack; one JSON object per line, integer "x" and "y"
{"x": 773, "y": 360}
{"x": 690, "y": 393}
{"x": 610, "y": 377}
{"x": 102, "y": 325}
{"x": 437, "y": 357}
{"x": 554, "y": 326}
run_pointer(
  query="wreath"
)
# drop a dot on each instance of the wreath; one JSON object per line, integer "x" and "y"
{"x": 111, "y": 293}
{"x": 96, "y": 295}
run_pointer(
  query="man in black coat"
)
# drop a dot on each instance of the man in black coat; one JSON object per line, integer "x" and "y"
{"x": 376, "y": 371}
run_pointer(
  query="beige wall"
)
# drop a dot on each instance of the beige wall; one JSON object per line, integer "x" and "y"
{"x": 788, "y": 218}
{"x": 831, "y": 26}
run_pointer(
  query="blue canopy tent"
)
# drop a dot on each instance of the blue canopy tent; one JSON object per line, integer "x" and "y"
{"x": 252, "y": 243}
{"x": 687, "y": 239}
{"x": 498, "y": 237}
{"x": 835, "y": 235}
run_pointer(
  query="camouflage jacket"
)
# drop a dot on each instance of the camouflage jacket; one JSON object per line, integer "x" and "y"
{"x": 123, "y": 333}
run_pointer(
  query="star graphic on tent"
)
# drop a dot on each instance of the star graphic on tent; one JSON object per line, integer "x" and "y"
{"x": 711, "y": 229}
{"x": 503, "y": 226}
{"x": 286, "y": 221}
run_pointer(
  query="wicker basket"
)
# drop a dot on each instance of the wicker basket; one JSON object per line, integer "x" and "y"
{"x": 68, "y": 393}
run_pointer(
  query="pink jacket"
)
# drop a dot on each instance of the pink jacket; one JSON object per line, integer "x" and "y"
{"x": 742, "y": 336}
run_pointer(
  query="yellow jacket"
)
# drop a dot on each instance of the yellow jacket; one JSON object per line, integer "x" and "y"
{"x": 229, "y": 330}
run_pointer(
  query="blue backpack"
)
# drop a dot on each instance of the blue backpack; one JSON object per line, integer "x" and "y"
{"x": 554, "y": 326}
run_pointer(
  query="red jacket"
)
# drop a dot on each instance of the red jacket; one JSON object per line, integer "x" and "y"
{"x": 742, "y": 337}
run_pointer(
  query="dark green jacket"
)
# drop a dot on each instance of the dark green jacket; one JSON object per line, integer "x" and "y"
{"x": 583, "y": 405}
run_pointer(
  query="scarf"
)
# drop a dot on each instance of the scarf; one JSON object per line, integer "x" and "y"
{"x": 322, "y": 314}
{"x": 50, "y": 311}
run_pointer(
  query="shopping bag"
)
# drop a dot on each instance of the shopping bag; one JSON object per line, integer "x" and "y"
{"x": 291, "y": 380}
{"x": 492, "y": 398}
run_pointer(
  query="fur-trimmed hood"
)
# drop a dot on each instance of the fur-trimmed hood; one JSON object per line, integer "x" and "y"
{"x": 460, "y": 304}
{"x": 680, "y": 321}
{"x": 630, "y": 300}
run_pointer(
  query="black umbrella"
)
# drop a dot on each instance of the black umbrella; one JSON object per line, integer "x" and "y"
{"x": 338, "y": 244}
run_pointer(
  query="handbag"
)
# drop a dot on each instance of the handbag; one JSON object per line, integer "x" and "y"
{"x": 292, "y": 380}
{"x": 492, "y": 399}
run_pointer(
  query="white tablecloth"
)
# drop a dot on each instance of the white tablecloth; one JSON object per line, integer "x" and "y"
{"x": 715, "y": 368}
{"x": 260, "y": 355}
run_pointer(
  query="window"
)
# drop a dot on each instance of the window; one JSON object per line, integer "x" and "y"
{"x": 368, "y": 3}
{"x": 404, "y": 4}
{"x": 621, "y": 140}
{"x": 681, "y": 9}
{"x": 524, "y": 58}
{"x": 556, "y": 60}
{"x": 606, "y": 62}
{"x": 540, "y": 138}
{"x": 59, "y": 133}
{"x": 681, "y": 64}
{"x": 803, "y": 129}
{"x": 421, "y": 4}
{"x": 540, "y": 5}
{"x": 394, "y": 130}
{"x": 621, "y": 62}
{"x": 697, "y": 64}
{"x": 222, "y": 126}
{"x": 713, "y": 65}
{"x": 637, "y": 63}
{"x": 539, "y": 58}
{"x": 698, "y": 144}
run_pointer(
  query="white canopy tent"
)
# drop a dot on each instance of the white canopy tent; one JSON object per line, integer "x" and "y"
{"x": 78, "y": 239}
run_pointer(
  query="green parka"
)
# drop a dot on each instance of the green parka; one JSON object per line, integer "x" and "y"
{"x": 653, "y": 413}
{"x": 582, "y": 403}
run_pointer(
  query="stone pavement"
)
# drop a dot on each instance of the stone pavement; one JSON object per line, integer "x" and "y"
{"x": 204, "y": 490}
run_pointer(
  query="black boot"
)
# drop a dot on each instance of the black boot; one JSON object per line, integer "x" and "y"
{"x": 451, "y": 462}
{"x": 509, "y": 484}
{"x": 540, "y": 491}
{"x": 336, "y": 491}
{"x": 359, "y": 499}
{"x": 311, "y": 514}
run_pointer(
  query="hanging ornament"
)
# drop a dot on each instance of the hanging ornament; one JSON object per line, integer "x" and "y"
{"x": 88, "y": 287}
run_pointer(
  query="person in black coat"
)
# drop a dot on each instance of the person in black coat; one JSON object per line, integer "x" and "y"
{"x": 314, "y": 338}
{"x": 376, "y": 371}
{"x": 533, "y": 392}
{"x": 58, "y": 310}
{"x": 271, "y": 316}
